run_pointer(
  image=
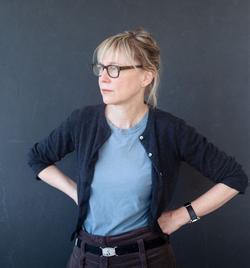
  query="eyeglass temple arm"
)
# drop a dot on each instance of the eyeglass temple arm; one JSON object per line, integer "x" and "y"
{"x": 129, "y": 67}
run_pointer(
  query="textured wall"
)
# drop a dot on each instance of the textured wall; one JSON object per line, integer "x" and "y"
{"x": 45, "y": 56}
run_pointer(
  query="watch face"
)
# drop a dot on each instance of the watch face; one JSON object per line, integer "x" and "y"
{"x": 194, "y": 220}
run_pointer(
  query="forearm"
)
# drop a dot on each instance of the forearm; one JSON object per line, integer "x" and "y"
{"x": 54, "y": 177}
{"x": 211, "y": 200}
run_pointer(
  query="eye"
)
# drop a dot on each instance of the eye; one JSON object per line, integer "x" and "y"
{"x": 113, "y": 68}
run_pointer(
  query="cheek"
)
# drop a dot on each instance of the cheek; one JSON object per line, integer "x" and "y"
{"x": 131, "y": 82}
{"x": 120, "y": 85}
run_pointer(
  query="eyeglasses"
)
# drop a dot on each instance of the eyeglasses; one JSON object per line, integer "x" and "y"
{"x": 112, "y": 70}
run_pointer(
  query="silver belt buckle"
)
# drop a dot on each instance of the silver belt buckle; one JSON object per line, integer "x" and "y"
{"x": 108, "y": 252}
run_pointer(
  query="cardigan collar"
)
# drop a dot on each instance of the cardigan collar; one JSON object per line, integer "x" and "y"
{"x": 103, "y": 120}
{"x": 148, "y": 138}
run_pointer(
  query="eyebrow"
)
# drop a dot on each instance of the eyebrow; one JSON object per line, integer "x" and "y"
{"x": 112, "y": 62}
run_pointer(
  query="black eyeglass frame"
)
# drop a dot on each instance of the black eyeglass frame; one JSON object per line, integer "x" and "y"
{"x": 120, "y": 68}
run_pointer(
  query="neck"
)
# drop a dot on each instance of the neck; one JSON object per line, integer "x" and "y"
{"x": 125, "y": 116}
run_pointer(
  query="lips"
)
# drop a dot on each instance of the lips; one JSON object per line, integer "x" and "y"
{"x": 106, "y": 90}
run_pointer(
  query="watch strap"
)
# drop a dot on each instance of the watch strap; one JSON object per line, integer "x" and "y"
{"x": 193, "y": 216}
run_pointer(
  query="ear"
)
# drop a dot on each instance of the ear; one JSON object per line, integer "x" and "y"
{"x": 147, "y": 78}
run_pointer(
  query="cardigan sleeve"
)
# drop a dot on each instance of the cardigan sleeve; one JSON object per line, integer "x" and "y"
{"x": 197, "y": 151}
{"x": 54, "y": 147}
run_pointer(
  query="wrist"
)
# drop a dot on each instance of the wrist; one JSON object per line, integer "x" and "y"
{"x": 182, "y": 216}
{"x": 191, "y": 212}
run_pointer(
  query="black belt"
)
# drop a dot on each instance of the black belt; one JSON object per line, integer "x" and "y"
{"x": 120, "y": 250}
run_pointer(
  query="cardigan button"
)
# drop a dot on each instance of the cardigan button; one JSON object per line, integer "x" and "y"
{"x": 149, "y": 154}
{"x": 160, "y": 174}
{"x": 141, "y": 137}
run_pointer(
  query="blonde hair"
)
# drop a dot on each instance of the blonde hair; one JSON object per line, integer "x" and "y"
{"x": 140, "y": 46}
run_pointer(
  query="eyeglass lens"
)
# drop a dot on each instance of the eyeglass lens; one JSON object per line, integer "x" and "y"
{"x": 113, "y": 71}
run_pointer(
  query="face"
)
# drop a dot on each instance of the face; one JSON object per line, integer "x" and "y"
{"x": 128, "y": 87}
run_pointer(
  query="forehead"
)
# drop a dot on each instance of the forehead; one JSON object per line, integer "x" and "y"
{"x": 112, "y": 56}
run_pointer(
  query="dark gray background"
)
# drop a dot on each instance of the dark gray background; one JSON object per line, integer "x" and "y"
{"x": 45, "y": 52}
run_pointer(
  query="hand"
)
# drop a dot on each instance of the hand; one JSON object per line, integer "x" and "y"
{"x": 172, "y": 220}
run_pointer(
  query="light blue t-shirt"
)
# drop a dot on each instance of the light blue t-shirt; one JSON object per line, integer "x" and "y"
{"x": 121, "y": 189}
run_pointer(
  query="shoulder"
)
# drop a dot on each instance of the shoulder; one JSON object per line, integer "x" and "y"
{"x": 166, "y": 117}
{"x": 85, "y": 113}
{"x": 171, "y": 123}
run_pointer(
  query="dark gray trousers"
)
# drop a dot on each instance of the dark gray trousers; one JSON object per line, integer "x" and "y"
{"x": 158, "y": 257}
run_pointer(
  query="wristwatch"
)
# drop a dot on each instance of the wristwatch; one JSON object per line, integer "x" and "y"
{"x": 191, "y": 212}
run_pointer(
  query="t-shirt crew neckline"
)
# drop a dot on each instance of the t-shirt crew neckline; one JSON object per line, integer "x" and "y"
{"x": 131, "y": 130}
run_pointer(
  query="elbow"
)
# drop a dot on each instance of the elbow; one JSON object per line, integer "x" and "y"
{"x": 238, "y": 183}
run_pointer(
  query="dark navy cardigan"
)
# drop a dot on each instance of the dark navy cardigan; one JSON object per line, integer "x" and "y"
{"x": 167, "y": 140}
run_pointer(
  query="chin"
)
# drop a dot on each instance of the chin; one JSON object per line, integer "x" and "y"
{"x": 110, "y": 102}
{"x": 113, "y": 101}
{"x": 107, "y": 101}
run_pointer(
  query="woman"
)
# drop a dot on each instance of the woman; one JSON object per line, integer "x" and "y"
{"x": 129, "y": 153}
